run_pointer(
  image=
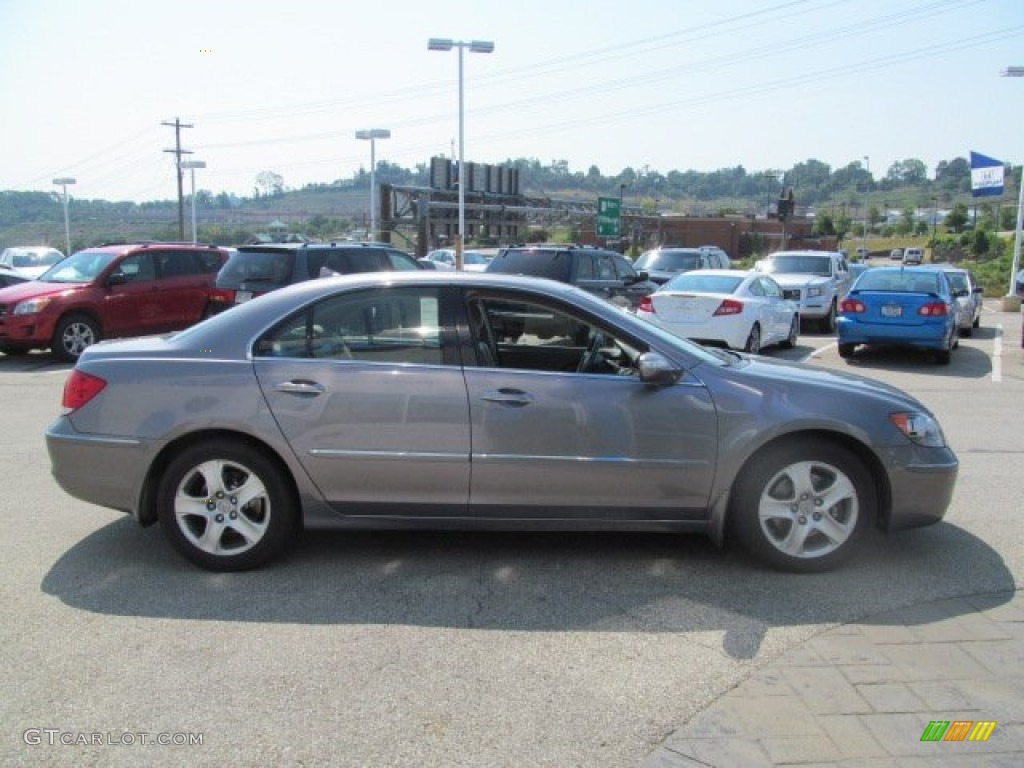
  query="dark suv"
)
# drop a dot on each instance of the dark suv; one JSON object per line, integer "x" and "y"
{"x": 256, "y": 269}
{"x": 109, "y": 291}
{"x": 607, "y": 274}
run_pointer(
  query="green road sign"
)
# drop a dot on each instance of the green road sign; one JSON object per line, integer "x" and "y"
{"x": 609, "y": 213}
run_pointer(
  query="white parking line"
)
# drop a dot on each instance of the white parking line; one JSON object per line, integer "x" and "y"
{"x": 818, "y": 352}
{"x": 997, "y": 354}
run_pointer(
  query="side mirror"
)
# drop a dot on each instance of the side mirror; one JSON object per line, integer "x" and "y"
{"x": 656, "y": 370}
{"x": 117, "y": 278}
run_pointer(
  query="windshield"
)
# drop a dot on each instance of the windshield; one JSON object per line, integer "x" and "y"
{"x": 797, "y": 265}
{"x": 81, "y": 267}
{"x": 669, "y": 261}
{"x": 700, "y": 283}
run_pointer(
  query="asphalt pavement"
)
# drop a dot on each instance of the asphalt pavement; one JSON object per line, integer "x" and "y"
{"x": 936, "y": 683}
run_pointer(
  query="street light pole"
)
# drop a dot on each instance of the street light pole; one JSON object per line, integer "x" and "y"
{"x": 191, "y": 165}
{"x": 64, "y": 182}
{"x": 371, "y": 135}
{"x": 1015, "y": 265}
{"x": 475, "y": 46}
{"x": 864, "y": 234}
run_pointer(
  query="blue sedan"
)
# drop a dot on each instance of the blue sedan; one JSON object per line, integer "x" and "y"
{"x": 899, "y": 306}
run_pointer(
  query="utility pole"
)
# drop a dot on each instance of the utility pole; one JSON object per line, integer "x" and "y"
{"x": 178, "y": 152}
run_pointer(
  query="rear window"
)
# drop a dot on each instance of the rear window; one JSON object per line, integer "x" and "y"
{"x": 257, "y": 266}
{"x": 669, "y": 261}
{"x": 703, "y": 283}
{"x": 554, "y": 265}
{"x": 909, "y": 281}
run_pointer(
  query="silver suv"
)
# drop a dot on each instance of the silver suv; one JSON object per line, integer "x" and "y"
{"x": 662, "y": 264}
{"x": 816, "y": 280}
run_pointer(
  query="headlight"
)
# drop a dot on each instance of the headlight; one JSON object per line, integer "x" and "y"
{"x": 920, "y": 428}
{"x": 30, "y": 306}
{"x": 815, "y": 290}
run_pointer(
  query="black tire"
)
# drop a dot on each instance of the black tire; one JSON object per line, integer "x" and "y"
{"x": 784, "y": 487}
{"x": 846, "y": 350}
{"x": 942, "y": 356}
{"x": 828, "y": 322}
{"x": 73, "y": 334}
{"x": 977, "y": 322}
{"x": 794, "y": 333}
{"x": 198, "y": 495}
{"x": 967, "y": 332}
{"x": 753, "y": 343}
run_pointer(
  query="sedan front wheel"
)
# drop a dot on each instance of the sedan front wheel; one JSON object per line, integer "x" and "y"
{"x": 225, "y": 506}
{"x": 802, "y": 506}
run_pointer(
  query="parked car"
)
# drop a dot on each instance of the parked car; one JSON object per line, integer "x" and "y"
{"x": 968, "y": 295}
{"x": 815, "y": 280}
{"x": 9, "y": 277}
{"x": 903, "y": 307}
{"x": 662, "y": 264}
{"x": 437, "y": 400}
{"x": 108, "y": 292}
{"x": 896, "y": 254}
{"x": 912, "y": 255}
{"x": 472, "y": 261}
{"x": 604, "y": 273}
{"x": 727, "y": 307}
{"x": 29, "y": 260}
{"x": 253, "y": 270}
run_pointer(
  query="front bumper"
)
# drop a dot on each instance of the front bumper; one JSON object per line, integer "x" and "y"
{"x": 922, "y": 482}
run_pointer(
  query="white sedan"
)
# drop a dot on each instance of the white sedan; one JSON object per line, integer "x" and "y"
{"x": 730, "y": 307}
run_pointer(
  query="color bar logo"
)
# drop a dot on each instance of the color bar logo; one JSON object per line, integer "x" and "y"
{"x": 958, "y": 730}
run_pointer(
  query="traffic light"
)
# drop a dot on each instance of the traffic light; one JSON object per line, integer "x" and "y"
{"x": 786, "y": 206}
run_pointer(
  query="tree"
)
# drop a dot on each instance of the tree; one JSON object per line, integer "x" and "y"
{"x": 270, "y": 183}
{"x": 956, "y": 218}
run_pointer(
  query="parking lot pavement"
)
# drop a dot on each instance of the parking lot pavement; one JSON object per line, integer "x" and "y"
{"x": 532, "y": 650}
{"x": 868, "y": 693}
{"x": 935, "y": 683}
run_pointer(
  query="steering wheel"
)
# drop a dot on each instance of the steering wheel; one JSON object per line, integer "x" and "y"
{"x": 593, "y": 353}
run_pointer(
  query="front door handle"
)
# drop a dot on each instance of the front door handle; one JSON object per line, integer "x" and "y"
{"x": 507, "y": 396}
{"x": 301, "y": 387}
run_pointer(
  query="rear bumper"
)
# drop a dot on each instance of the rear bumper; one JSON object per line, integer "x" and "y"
{"x": 100, "y": 469}
{"x": 924, "y": 336}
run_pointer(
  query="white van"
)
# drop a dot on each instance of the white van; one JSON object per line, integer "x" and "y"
{"x": 912, "y": 256}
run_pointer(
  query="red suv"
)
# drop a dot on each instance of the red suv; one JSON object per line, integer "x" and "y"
{"x": 106, "y": 292}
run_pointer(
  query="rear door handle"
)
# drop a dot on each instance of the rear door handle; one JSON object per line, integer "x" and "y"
{"x": 507, "y": 396}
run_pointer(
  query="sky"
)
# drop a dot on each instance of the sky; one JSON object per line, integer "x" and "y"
{"x": 87, "y": 87}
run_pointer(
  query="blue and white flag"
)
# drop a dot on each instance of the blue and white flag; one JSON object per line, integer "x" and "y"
{"x": 986, "y": 176}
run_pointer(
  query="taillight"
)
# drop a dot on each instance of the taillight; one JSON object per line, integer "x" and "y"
{"x": 852, "y": 306}
{"x": 79, "y": 389}
{"x": 646, "y": 305}
{"x": 729, "y": 307}
{"x": 221, "y": 296}
{"x": 933, "y": 309}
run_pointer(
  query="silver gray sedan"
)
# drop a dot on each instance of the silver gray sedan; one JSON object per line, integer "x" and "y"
{"x": 452, "y": 400}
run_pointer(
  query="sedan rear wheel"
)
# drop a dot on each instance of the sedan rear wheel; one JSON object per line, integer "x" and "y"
{"x": 225, "y": 506}
{"x": 753, "y": 345}
{"x": 802, "y": 506}
{"x": 794, "y": 333}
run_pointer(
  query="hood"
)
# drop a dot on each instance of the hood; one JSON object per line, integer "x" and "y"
{"x": 797, "y": 280}
{"x": 33, "y": 289}
{"x": 848, "y": 387}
